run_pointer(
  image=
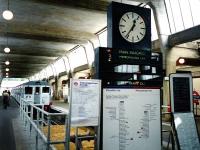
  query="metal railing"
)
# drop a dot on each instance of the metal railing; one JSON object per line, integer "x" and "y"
{"x": 28, "y": 112}
{"x": 167, "y": 127}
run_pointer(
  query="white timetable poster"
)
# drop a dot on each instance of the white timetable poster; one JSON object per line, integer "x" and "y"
{"x": 85, "y": 102}
{"x": 131, "y": 119}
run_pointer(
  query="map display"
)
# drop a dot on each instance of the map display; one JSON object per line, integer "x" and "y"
{"x": 131, "y": 119}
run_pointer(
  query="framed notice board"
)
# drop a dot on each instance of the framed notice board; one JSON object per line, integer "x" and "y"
{"x": 181, "y": 92}
{"x": 131, "y": 119}
{"x": 85, "y": 95}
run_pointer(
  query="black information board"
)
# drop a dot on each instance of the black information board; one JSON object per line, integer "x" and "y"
{"x": 118, "y": 67}
{"x": 181, "y": 92}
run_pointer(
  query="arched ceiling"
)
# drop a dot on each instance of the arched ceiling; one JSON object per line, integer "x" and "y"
{"x": 43, "y": 30}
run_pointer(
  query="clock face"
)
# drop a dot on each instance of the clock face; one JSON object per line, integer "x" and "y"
{"x": 132, "y": 27}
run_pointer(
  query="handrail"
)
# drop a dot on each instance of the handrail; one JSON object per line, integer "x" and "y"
{"x": 27, "y": 116}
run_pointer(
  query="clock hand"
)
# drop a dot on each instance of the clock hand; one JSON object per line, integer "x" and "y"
{"x": 133, "y": 26}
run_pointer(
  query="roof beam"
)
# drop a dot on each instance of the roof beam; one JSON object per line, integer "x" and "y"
{"x": 27, "y": 57}
{"x": 185, "y": 36}
{"x": 34, "y": 51}
{"x": 97, "y": 5}
{"x": 48, "y": 38}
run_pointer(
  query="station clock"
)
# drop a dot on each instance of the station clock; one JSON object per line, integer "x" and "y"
{"x": 129, "y": 27}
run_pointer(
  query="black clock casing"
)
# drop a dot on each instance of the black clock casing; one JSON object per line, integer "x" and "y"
{"x": 115, "y": 40}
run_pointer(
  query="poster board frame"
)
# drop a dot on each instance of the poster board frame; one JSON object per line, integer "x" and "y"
{"x": 70, "y": 109}
{"x": 129, "y": 88}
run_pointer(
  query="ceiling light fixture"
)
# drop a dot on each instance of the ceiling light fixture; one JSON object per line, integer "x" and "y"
{"x": 7, "y": 50}
{"x": 7, "y": 14}
{"x": 6, "y": 76}
{"x": 7, "y": 69}
{"x": 7, "y": 73}
{"x": 181, "y": 60}
{"x": 7, "y": 62}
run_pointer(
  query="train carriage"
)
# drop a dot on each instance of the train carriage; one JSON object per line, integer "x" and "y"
{"x": 36, "y": 92}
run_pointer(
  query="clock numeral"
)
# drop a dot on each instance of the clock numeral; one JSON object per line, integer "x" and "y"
{"x": 121, "y": 25}
{"x": 127, "y": 36}
{"x": 138, "y": 17}
{"x": 138, "y": 37}
{"x": 127, "y": 16}
{"x": 124, "y": 31}
{"x": 141, "y": 33}
{"x": 132, "y": 38}
{"x": 142, "y": 28}
{"x": 132, "y": 15}
{"x": 123, "y": 19}
{"x": 141, "y": 22}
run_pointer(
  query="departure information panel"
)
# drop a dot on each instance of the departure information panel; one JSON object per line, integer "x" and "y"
{"x": 131, "y": 119}
{"x": 181, "y": 92}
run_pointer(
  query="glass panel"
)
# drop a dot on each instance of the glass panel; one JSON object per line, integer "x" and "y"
{"x": 154, "y": 33}
{"x": 49, "y": 71}
{"x": 186, "y": 13}
{"x": 53, "y": 69}
{"x": 77, "y": 57}
{"x": 37, "y": 90}
{"x": 45, "y": 90}
{"x": 170, "y": 16}
{"x": 183, "y": 16}
{"x": 195, "y": 5}
{"x": 90, "y": 52}
{"x": 28, "y": 90}
{"x": 103, "y": 39}
{"x": 59, "y": 66}
{"x": 177, "y": 15}
{"x": 66, "y": 63}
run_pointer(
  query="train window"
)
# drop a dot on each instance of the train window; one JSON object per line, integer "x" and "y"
{"x": 37, "y": 90}
{"x": 28, "y": 90}
{"x": 45, "y": 90}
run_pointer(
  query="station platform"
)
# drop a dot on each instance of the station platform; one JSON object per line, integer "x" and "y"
{"x": 15, "y": 134}
{"x": 60, "y": 105}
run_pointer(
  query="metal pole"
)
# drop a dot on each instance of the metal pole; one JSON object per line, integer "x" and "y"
{"x": 37, "y": 127}
{"x": 97, "y": 147}
{"x": 76, "y": 138}
{"x": 66, "y": 129}
{"x": 49, "y": 132}
{"x": 69, "y": 118}
{"x": 31, "y": 117}
{"x": 26, "y": 113}
{"x": 42, "y": 116}
{"x": 23, "y": 110}
{"x": 20, "y": 107}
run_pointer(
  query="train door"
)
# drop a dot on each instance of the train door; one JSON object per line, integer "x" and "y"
{"x": 37, "y": 95}
{"x": 46, "y": 95}
{"x": 29, "y": 94}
